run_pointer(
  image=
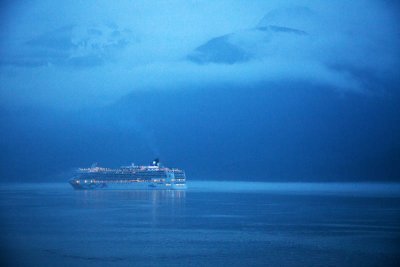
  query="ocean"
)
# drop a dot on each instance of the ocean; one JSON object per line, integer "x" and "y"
{"x": 210, "y": 224}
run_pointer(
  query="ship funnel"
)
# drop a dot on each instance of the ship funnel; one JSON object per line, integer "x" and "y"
{"x": 156, "y": 162}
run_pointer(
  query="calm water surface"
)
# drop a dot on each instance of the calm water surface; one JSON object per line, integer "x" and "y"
{"x": 212, "y": 223}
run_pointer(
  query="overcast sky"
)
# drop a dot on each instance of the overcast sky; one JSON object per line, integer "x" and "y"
{"x": 72, "y": 54}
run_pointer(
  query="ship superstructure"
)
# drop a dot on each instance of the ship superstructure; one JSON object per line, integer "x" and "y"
{"x": 153, "y": 176}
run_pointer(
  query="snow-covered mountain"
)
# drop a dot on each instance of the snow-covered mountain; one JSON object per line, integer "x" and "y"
{"x": 276, "y": 33}
{"x": 303, "y": 44}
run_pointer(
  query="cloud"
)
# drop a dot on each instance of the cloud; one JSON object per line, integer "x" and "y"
{"x": 94, "y": 54}
{"x": 71, "y": 45}
{"x": 300, "y": 37}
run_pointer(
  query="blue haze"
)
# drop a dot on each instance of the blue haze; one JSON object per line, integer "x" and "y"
{"x": 295, "y": 91}
{"x": 284, "y": 114}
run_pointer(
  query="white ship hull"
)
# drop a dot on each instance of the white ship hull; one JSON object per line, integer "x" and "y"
{"x": 126, "y": 186}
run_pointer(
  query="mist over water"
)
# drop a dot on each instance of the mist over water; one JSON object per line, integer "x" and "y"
{"x": 234, "y": 223}
{"x": 354, "y": 189}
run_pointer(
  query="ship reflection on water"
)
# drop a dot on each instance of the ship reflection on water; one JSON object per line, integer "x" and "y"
{"x": 154, "y": 196}
{"x": 133, "y": 208}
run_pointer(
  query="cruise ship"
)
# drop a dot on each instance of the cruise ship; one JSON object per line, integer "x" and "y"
{"x": 130, "y": 177}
